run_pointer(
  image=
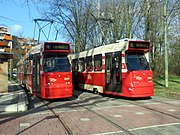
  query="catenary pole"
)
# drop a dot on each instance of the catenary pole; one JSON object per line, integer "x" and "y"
{"x": 165, "y": 43}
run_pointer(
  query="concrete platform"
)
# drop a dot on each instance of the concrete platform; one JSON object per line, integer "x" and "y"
{"x": 15, "y": 100}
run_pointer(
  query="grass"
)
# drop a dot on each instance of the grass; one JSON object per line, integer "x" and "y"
{"x": 173, "y": 89}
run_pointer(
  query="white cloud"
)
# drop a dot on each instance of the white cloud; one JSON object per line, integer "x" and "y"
{"x": 16, "y": 29}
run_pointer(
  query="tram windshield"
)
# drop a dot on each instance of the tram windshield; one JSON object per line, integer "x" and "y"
{"x": 56, "y": 63}
{"x": 136, "y": 62}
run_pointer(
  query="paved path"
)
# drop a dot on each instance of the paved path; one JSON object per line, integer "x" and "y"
{"x": 13, "y": 101}
{"x": 90, "y": 114}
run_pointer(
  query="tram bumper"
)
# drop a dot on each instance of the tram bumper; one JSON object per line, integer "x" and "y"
{"x": 138, "y": 84}
{"x": 59, "y": 91}
{"x": 145, "y": 91}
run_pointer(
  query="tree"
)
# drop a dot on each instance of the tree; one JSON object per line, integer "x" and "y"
{"x": 93, "y": 23}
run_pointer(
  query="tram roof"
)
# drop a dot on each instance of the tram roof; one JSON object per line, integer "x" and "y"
{"x": 114, "y": 47}
{"x": 120, "y": 45}
{"x": 54, "y": 41}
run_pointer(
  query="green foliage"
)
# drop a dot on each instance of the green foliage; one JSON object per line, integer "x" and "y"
{"x": 174, "y": 58}
{"x": 88, "y": 24}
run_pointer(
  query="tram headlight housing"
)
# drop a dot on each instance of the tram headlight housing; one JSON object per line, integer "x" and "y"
{"x": 66, "y": 78}
{"x": 150, "y": 79}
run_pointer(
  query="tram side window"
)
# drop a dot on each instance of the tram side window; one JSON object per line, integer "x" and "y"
{"x": 75, "y": 65}
{"x": 81, "y": 64}
{"x": 98, "y": 62}
{"x": 89, "y": 66}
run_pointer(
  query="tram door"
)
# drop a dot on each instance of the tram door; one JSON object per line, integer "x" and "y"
{"x": 113, "y": 72}
{"x": 36, "y": 74}
{"x": 75, "y": 73}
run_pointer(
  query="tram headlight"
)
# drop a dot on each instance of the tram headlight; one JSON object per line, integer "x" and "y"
{"x": 150, "y": 79}
{"x": 66, "y": 78}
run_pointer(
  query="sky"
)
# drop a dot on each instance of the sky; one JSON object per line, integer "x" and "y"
{"x": 16, "y": 15}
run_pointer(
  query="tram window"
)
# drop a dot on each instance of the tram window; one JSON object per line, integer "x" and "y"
{"x": 56, "y": 63}
{"x": 75, "y": 65}
{"x": 89, "y": 66}
{"x": 98, "y": 62}
{"x": 136, "y": 62}
{"x": 81, "y": 64}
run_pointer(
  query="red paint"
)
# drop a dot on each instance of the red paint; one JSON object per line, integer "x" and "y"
{"x": 123, "y": 66}
{"x": 128, "y": 83}
{"x": 51, "y": 84}
{"x": 91, "y": 78}
{"x": 137, "y": 84}
{"x": 56, "y": 85}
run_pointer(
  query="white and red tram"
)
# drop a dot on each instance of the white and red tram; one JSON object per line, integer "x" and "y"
{"x": 46, "y": 70}
{"x": 120, "y": 69}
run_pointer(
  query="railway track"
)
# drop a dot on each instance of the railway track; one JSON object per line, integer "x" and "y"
{"x": 159, "y": 101}
{"x": 65, "y": 125}
{"x": 155, "y": 101}
{"x": 106, "y": 117}
{"x": 154, "y": 110}
{"x": 134, "y": 102}
{"x": 68, "y": 130}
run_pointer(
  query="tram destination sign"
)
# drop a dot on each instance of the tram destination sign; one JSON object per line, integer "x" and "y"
{"x": 139, "y": 45}
{"x": 56, "y": 46}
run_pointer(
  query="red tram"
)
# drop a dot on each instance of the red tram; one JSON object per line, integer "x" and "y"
{"x": 120, "y": 69}
{"x": 46, "y": 71}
